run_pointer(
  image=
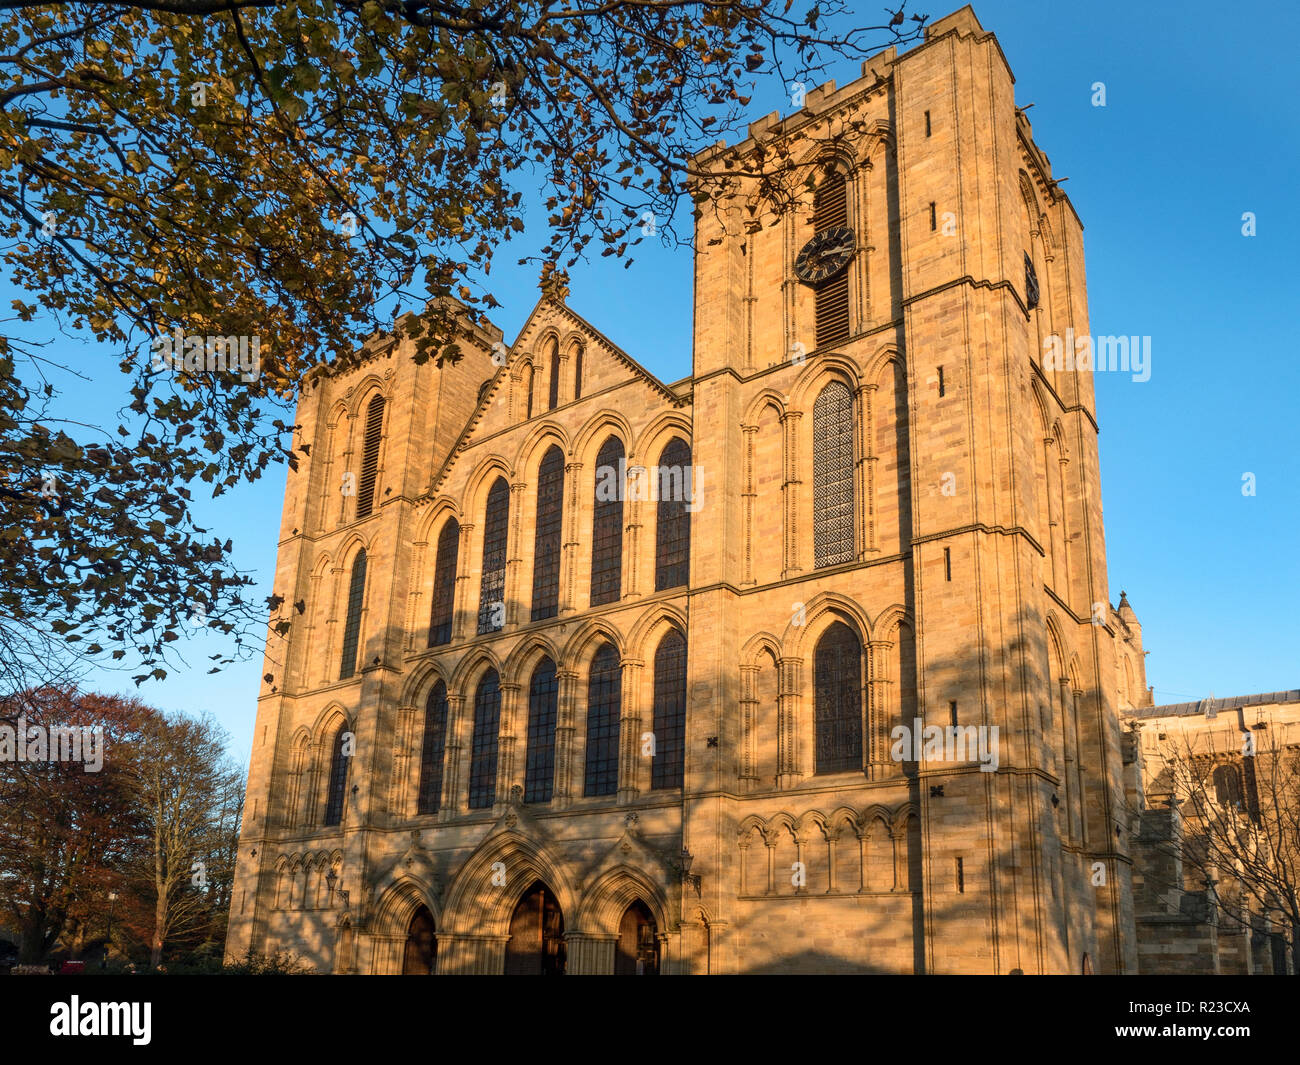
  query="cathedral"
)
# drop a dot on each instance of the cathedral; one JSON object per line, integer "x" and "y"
{"x": 589, "y": 672}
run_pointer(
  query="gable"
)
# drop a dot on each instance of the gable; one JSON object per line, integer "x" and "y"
{"x": 605, "y": 369}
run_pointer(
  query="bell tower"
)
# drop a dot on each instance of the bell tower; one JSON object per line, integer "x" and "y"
{"x": 893, "y": 289}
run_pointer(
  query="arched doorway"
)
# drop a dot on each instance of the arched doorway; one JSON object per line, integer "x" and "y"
{"x": 421, "y": 956}
{"x": 536, "y": 944}
{"x": 637, "y": 952}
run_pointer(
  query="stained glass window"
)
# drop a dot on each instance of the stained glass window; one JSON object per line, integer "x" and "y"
{"x": 433, "y": 751}
{"x": 667, "y": 768}
{"x": 539, "y": 767}
{"x": 483, "y": 742}
{"x": 444, "y": 583}
{"x": 604, "y": 702}
{"x": 492, "y": 585}
{"x": 837, "y": 697}
{"x": 338, "y": 783}
{"x": 607, "y": 525}
{"x": 673, "y": 527}
{"x": 547, "y": 541}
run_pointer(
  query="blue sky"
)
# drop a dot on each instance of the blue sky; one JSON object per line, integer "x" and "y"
{"x": 1199, "y": 127}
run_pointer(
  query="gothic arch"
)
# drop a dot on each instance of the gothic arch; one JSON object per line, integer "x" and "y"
{"x": 399, "y": 901}
{"x": 477, "y": 906}
{"x": 613, "y": 892}
{"x": 536, "y": 444}
{"x": 768, "y": 397}
{"x": 878, "y": 362}
{"x": 650, "y": 627}
{"x": 756, "y": 645}
{"x": 583, "y": 643}
{"x": 328, "y": 720}
{"x": 603, "y": 423}
{"x": 420, "y": 681}
{"x": 887, "y": 622}
{"x": 816, "y": 375}
{"x": 523, "y": 658}
{"x": 360, "y": 394}
{"x": 655, "y": 436}
{"x": 819, "y": 613}
{"x": 468, "y": 671}
{"x": 435, "y": 515}
{"x": 750, "y": 824}
{"x": 480, "y": 482}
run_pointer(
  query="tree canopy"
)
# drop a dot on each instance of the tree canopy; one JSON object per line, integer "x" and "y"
{"x": 293, "y": 176}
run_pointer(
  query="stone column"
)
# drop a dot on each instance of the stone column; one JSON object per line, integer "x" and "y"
{"x": 565, "y": 747}
{"x": 749, "y": 724}
{"x": 881, "y": 711}
{"x": 507, "y": 746}
{"x": 749, "y": 500}
{"x": 788, "y": 767}
{"x": 632, "y": 777}
{"x": 465, "y": 604}
{"x": 569, "y": 558}
{"x": 453, "y": 790}
{"x": 791, "y": 486}
{"x": 589, "y": 953}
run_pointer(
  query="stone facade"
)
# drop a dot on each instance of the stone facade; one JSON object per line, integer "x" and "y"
{"x": 973, "y": 591}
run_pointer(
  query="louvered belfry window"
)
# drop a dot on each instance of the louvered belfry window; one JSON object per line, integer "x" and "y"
{"x": 837, "y": 696}
{"x": 370, "y": 457}
{"x": 444, "y": 583}
{"x": 433, "y": 751}
{"x": 547, "y": 540}
{"x": 667, "y": 768}
{"x": 833, "y": 475}
{"x": 831, "y": 210}
{"x": 352, "y": 626}
{"x": 604, "y": 702}
{"x": 539, "y": 767}
{"x": 673, "y": 525}
{"x": 607, "y": 525}
{"x": 492, "y": 585}
{"x": 483, "y": 742}
{"x": 338, "y": 784}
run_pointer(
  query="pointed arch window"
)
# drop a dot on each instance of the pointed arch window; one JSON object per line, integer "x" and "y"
{"x": 433, "y": 751}
{"x": 484, "y": 742}
{"x": 539, "y": 766}
{"x": 831, "y": 297}
{"x": 604, "y": 704}
{"x": 338, "y": 783}
{"x": 492, "y": 584}
{"x": 833, "y": 475}
{"x": 837, "y": 700}
{"x": 352, "y": 626}
{"x": 607, "y": 524}
{"x": 577, "y": 371}
{"x": 667, "y": 768}
{"x": 553, "y": 399}
{"x": 444, "y": 583}
{"x": 673, "y": 524}
{"x": 547, "y": 540}
{"x": 370, "y": 457}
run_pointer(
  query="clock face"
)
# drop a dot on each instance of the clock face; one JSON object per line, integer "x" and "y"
{"x": 825, "y": 255}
